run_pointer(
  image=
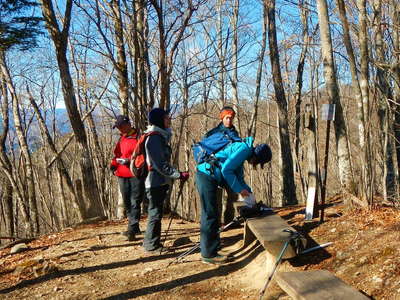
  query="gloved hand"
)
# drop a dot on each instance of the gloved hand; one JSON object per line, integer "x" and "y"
{"x": 250, "y": 200}
{"x": 184, "y": 176}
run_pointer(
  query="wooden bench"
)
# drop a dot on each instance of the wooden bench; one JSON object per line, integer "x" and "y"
{"x": 268, "y": 230}
{"x": 316, "y": 285}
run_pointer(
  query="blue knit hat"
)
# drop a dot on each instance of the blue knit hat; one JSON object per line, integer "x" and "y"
{"x": 263, "y": 154}
{"x": 156, "y": 117}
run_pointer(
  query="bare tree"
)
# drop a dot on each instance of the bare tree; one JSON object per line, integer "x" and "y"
{"x": 21, "y": 134}
{"x": 60, "y": 39}
{"x": 169, "y": 37}
{"x": 5, "y": 163}
{"x": 143, "y": 87}
{"x": 252, "y": 129}
{"x": 333, "y": 95}
{"x": 61, "y": 167}
{"x": 288, "y": 188}
{"x": 385, "y": 94}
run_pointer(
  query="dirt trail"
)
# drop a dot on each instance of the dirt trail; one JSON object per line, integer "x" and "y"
{"x": 94, "y": 262}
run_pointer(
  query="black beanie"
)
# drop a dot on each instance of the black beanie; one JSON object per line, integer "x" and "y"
{"x": 156, "y": 117}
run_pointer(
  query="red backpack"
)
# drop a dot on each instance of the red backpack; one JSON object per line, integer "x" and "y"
{"x": 138, "y": 164}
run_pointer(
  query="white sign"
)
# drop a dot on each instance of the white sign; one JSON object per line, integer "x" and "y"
{"x": 310, "y": 203}
{"x": 328, "y": 112}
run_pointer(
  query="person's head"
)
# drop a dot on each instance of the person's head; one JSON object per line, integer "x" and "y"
{"x": 123, "y": 124}
{"x": 261, "y": 155}
{"x": 160, "y": 118}
{"x": 227, "y": 114}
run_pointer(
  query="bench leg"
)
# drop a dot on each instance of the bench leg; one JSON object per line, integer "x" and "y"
{"x": 248, "y": 236}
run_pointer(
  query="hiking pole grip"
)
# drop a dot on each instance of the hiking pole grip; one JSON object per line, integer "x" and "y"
{"x": 180, "y": 192}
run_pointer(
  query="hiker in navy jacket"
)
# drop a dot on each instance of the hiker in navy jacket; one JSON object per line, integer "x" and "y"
{"x": 226, "y": 115}
{"x": 131, "y": 188}
{"x": 228, "y": 171}
{"x": 157, "y": 183}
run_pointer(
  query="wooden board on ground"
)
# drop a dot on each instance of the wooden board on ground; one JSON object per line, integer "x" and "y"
{"x": 316, "y": 285}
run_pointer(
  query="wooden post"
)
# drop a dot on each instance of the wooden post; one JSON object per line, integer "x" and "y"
{"x": 312, "y": 188}
{"x": 328, "y": 114}
{"x": 325, "y": 171}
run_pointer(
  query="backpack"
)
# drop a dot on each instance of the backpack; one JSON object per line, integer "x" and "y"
{"x": 205, "y": 150}
{"x": 138, "y": 164}
{"x": 258, "y": 210}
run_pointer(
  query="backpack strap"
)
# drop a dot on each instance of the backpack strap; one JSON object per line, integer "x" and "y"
{"x": 141, "y": 148}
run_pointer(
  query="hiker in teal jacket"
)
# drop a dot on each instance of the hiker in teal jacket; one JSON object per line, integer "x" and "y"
{"x": 226, "y": 171}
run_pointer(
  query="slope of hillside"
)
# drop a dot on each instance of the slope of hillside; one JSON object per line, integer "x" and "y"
{"x": 94, "y": 262}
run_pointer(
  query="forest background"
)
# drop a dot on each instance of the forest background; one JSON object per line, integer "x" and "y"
{"x": 69, "y": 67}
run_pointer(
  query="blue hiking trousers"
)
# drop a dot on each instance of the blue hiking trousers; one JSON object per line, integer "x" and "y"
{"x": 209, "y": 222}
{"x": 132, "y": 191}
{"x": 156, "y": 196}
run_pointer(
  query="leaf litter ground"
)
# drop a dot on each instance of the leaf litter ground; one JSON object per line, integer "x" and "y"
{"x": 94, "y": 261}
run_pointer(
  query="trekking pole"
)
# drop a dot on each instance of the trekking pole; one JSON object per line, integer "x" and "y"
{"x": 184, "y": 254}
{"x": 180, "y": 192}
{"x": 197, "y": 246}
{"x": 293, "y": 236}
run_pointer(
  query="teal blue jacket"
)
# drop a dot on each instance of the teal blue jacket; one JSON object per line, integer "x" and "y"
{"x": 230, "y": 170}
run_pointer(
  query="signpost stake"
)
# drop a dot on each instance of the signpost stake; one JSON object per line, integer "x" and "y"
{"x": 328, "y": 114}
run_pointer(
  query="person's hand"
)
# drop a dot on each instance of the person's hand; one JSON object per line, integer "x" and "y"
{"x": 113, "y": 168}
{"x": 123, "y": 161}
{"x": 244, "y": 193}
{"x": 184, "y": 176}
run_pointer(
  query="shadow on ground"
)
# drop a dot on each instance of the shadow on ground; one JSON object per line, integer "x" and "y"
{"x": 179, "y": 282}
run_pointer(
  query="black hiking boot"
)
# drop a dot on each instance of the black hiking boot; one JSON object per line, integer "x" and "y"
{"x": 130, "y": 236}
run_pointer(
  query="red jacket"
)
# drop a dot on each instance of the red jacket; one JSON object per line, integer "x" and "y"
{"x": 124, "y": 148}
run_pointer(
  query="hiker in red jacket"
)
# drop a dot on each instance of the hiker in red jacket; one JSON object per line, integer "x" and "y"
{"x": 132, "y": 189}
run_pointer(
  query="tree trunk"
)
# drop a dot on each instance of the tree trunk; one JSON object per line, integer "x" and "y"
{"x": 252, "y": 130}
{"x": 30, "y": 188}
{"x": 333, "y": 96}
{"x": 60, "y": 39}
{"x": 298, "y": 93}
{"x": 388, "y": 179}
{"x": 168, "y": 45}
{"x": 367, "y": 169}
{"x": 288, "y": 188}
{"x": 396, "y": 61}
{"x": 221, "y": 55}
{"x": 140, "y": 50}
{"x": 234, "y": 79}
{"x": 162, "y": 55}
{"x": 312, "y": 161}
{"x": 121, "y": 64}
{"x": 353, "y": 68}
{"x": 78, "y": 204}
{"x": 7, "y": 197}
{"x": 5, "y": 162}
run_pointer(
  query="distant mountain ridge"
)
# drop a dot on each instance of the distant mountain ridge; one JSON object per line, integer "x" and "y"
{"x": 62, "y": 125}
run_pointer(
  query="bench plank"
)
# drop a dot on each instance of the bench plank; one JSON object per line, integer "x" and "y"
{"x": 316, "y": 285}
{"x": 268, "y": 230}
